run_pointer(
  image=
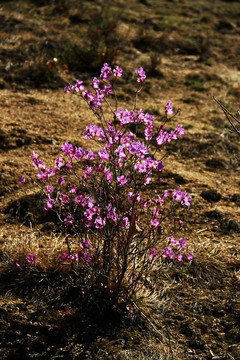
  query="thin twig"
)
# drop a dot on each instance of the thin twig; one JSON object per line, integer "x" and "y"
{"x": 230, "y": 117}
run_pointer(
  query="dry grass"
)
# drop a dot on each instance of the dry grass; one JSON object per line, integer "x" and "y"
{"x": 47, "y": 248}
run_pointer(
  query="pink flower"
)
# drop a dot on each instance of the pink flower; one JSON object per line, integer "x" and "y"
{"x": 155, "y": 223}
{"x": 147, "y": 180}
{"x": 103, "y": 155}
{"x": 179, "y": 257}
{"x": 108, "y": 175}
{"x": 189, "y": 257}
{"x": 122, "y": 180}
{"x": 117, "y": 72}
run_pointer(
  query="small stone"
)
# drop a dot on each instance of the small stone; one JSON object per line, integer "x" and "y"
{"x": 232, "y": 226}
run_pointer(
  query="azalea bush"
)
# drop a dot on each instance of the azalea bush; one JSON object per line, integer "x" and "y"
{"x": 102, "y": 198}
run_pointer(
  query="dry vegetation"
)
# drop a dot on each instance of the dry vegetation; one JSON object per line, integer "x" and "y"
{"x": 190, "y": 50}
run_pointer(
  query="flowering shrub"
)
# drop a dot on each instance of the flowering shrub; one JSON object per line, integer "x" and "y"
{"x": 102, "y": 198}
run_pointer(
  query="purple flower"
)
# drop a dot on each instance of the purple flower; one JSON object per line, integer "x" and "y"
{"x": 100, "y": 223}
{"x": 179, "y": 257}
{"x": 168, "y": 108}
{"x": 84, "y": 244}
{"x": 95, "y": 83}
{"x": 159, "y": 200}
{"x": 61, "y": 180}
{"x": 31, "y": 259}
{"x": 179, "y": 130}
{"x": 186, "y": 199}
{"x": 181, "y": 244}
{"x": 78, "y": 86}
{"x": 70, "y": 258}
{"x": 141, "y": 75}
{"x": 21, "y": 180}
{"x": 117, "y": 72}
{"x": 152, "y": 253}
{"x": 108, "y": 89}
{"x": 84, "y": 256}
{"x": 189, "y": 257}
{"x": 138, "y": 148}
{"x": 49, "y": 203}
{"x": 167, "y": 252}
{"x": 89, "y": 155}
{"x": 69, "y": 89}
{"x": 64, "y": 199}
{"x": 120, "y": 152}
{"x": 48, "y": 190}
{"x": 148, "y": 132}
{"x": 67, "y": 149}
{"x": 16, "y": 264}
{"x": 177, "y": 195}
{"x": 125, "y": 117}
{"x": 165, "y": 193}
{"x": 106, "y": 72}
{"x": 69, "y": 220}
{"x": 112, "y": 214}
{"x": 162, "y": 137}
{"x": 147, "y": 180}
{"x": 125, "y": 222}
{"x": 172, "y": 240}
{"x": 42, "y": 175}
{"x": 63, "y": 256}
{"x": 155, "y": 212}
{"x": 59, "y": 162}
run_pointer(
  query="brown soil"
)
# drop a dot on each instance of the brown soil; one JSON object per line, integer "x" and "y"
{"x": 190, "y": 51}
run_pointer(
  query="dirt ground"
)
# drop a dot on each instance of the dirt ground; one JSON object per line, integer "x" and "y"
{"x": 191, "y": 53}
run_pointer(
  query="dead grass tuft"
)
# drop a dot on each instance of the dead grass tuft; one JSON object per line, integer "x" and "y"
{"x": 47, "y": 249}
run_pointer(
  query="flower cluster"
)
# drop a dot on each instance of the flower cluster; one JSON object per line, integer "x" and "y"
{"x": 31, "y": 259}
{"x": 78, "y": 257}
{"x": 175, "y": 248}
